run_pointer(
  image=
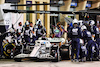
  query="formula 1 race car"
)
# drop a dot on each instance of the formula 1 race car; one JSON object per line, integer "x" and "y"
{"x": 43, "y": 49}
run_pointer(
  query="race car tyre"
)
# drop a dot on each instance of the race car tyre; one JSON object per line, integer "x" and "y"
{"x": 57, "y": 59}
{"x": 57, "y": 56}
{"x": 64, "y": 52}
{"x": 8, "y": 49}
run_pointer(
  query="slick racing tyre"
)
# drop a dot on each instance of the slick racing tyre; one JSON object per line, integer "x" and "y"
{"x": 8, "y": 49}
{"x": 58, "y": 58}
{"x": 64, "y": 52}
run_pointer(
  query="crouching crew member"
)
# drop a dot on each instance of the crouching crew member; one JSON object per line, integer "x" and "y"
{"x": 87, "y": 37}
{"x": 95, "y": 32}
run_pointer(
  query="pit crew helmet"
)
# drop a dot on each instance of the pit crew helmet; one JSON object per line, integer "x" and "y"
{"x": 80, "y": 23}
{"x": 27, "y": 23}
{"x": 75, "y": 21}
{"x": 83, "y": 28}
{"x": 91, "y": 22}
{"x": 38, "y": 22}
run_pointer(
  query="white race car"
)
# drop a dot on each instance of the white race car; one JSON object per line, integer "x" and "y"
{"x": 43, "y": 49}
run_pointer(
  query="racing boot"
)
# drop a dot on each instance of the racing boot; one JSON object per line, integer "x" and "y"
{"x": 72, "y": 60}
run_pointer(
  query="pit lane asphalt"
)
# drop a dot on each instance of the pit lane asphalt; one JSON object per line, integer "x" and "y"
{"x": 65, "y": 63}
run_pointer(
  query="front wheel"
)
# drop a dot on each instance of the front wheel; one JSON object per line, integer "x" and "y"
{"x": 57, "y": 56}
